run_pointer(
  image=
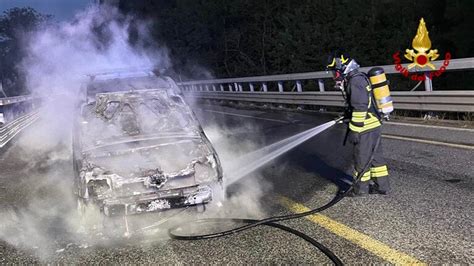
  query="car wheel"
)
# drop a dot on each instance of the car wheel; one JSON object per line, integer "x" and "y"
{"x": 90, "y": 217}
{"x": 200, "y": 208}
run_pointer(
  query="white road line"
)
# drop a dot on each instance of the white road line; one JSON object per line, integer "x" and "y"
{"x": 430, "y": 126}
{"x": 462, "y": 146}
{"x": 248, "y": 116}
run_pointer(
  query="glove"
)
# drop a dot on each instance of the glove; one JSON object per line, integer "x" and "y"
{"x": 353, "y": 137}
{"x": 339, "y": 85}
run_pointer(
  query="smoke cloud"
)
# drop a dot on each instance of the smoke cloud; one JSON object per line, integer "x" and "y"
{"x": 231, "y": 146}
{"x": 42, "y": 215}
{"x": 98, "y": 40}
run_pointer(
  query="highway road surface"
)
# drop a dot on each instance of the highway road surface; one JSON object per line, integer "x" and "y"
{"x": 428, "y": 217}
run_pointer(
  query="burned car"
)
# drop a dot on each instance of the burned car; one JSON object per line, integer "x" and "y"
{"x": 142, "y": 150}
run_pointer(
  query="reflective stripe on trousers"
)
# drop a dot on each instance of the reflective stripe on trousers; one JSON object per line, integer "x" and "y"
{"x": 363, "y": 152}
{"x": 365, "y": 177}
{"x": 374, "y": 172}
{"x": 379, "y": 171}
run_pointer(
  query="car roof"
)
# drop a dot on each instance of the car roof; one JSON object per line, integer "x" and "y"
{"x": 138, "y": 94}
{"x": 124, "y": 85}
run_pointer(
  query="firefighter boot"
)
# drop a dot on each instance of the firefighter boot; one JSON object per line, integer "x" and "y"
{"x": 361, "y": 189}
{"x": 381, "y": 186}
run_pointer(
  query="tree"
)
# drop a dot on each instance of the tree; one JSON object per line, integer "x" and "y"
{"x": 15, "y": 25}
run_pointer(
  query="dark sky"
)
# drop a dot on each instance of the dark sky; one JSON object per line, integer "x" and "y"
{"x": 60, "y": 9}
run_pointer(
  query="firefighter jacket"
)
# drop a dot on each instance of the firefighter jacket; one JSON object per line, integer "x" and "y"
{"x": 364, "y": 115}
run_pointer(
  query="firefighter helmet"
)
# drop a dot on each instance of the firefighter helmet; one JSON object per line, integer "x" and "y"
{"x": 341, "y": 65}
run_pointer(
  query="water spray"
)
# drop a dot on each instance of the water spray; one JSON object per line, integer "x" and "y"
{"x": 276, "y": 150}
{"x": 256, "y": 159}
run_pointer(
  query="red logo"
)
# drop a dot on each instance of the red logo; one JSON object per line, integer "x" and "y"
{"x": 421, "y": 56}
{"x": 404, "y": 71}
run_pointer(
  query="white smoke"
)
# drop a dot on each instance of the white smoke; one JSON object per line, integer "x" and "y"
{"x": 98, "y": 40}
{"x": 231, "y": 146}
{"x": 60, "y": 58}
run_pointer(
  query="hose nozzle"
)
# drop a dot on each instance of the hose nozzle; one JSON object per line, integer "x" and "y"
{"x": 341, "y": 120}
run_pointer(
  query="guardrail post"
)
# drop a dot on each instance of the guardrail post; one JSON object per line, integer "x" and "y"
{"x": 1, "y": 89}
{"x": 252, "y": 89}
{"x": 264, "y": 87}
{"x": 222, "y": 87}
{"x": 230, "y": 87}
{"x": 240, "y": 87}
{"x": 280, "y": 86}
{"x": 321, "y": 84}
{"x": 213, "y": 87}
{"x": 299, "y": 86}
{"x": 207, "y": 88}
{"x": 428, "y": 82}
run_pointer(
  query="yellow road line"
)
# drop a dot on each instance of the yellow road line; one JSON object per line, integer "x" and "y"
{"x": 364, "y": 241}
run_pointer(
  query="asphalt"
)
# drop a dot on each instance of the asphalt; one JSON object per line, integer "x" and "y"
{"x": 428, "y": 216}
{"x": 464, "y": 136}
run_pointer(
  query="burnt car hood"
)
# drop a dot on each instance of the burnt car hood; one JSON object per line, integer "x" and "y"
{"x": 151, "y": 161}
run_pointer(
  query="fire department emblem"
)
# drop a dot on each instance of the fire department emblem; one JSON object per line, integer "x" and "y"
{"x": 422, "y": 44}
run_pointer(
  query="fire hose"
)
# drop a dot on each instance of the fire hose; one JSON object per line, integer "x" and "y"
{"x": 273, "y": 221}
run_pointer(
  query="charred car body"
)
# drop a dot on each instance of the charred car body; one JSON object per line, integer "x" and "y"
{"x": 142, "y": 150}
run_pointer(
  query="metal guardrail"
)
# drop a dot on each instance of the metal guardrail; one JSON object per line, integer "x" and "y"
{"x": 245, "y": 89}
{"x": 12, "y": 108}
{"x": 454, "y": 64}
{"x": 10, "y": 130}
{"x": 448, "y": 101}
{"x": 16, "y": 99}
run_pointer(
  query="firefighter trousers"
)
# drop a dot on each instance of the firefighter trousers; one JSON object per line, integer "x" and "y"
{"x": 376, "y": 173}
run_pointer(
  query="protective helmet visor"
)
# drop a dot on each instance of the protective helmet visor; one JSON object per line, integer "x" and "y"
{"x": 351, "y": 67}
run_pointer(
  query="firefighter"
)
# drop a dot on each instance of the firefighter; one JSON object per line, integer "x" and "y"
{"x": 364, "y": 127}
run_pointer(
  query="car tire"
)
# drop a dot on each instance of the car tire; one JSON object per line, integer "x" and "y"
{"x": 201, "y": 208}
{"x": 90, "y": 217}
